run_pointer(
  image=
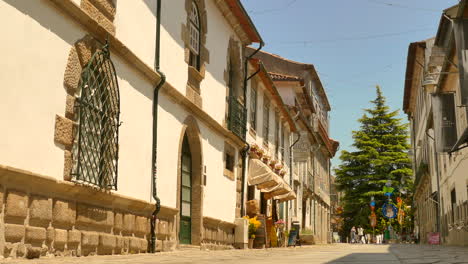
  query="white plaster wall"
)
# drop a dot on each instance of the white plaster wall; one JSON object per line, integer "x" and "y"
{"x": 33, "y": 94}
{"x": 135, "y": 133}
{"x": 35, "y": 49}
{"x": 213, "y": 87}
{"x": 135, "y": 25}
{"x": 286, "y": 92}
{"x": 220, "y": 192}
{"x": 173, "y": 63}
{"x": 170, "y": 119}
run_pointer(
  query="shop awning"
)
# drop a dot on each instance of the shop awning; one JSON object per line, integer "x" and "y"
{"x": 261, "y": 175}
{"x": 286, "y": 197}
{"x": 268, "y": 182}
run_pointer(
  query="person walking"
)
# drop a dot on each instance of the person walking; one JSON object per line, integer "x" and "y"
{"x": 360, "y": 234}
{"x": 353, "y": 235}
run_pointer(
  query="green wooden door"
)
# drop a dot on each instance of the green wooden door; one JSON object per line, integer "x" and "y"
{"x": 186, "y": 195}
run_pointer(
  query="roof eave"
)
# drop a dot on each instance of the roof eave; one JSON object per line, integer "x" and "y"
{"x": 245, "y": 21}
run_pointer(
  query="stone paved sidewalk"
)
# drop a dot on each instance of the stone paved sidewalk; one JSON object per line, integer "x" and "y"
{"x": 430, "y": 254}
{"x": 337, "y": 253}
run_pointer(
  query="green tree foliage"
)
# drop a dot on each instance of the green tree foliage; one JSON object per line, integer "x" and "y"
{"x": 380, "y": 154}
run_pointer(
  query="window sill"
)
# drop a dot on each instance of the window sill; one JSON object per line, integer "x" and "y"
{"x": 193, "y": 72}
{"x": 229, "y": 174}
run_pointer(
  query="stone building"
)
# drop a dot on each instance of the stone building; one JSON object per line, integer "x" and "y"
{"x": 435, "y": 102}
{"x": 123, "y": 125}
{"x": 301, "y": 89}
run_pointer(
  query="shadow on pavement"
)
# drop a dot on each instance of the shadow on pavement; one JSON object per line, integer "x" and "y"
{"x": 381, "y": 258}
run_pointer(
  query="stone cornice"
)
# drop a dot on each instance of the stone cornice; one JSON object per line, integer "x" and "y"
{"x": 118, "y": 47}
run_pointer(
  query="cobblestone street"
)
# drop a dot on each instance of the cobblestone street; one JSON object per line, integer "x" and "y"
{"x": 337, "y": 253}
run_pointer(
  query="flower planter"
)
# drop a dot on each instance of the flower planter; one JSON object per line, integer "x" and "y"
{"x": 251, "y": 240}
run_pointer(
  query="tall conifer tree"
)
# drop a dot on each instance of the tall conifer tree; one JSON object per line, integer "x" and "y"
{"x": 380, "y": 154}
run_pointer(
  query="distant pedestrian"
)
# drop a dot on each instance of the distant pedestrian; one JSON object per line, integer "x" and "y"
{"x": 353, "y": 235}
{"x": 360, "y": 231}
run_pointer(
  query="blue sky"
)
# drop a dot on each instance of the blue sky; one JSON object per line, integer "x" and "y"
{"x": 354, "y": 45}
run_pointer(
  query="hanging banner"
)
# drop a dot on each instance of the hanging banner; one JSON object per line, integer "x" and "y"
{"x": 373, "y": 220}
{"x": 461, "y": 42}
{"x": 445, "y": 126}
{"x": 401, "y": 216}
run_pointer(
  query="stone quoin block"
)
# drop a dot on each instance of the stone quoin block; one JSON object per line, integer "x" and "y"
{"x": 61, "y": 237}
{"x": 1, "y": 195}
{"x": 90, "y": 215}
{"x": 89, "y": 239}
{"x": 74, "y": 236}
{"x": 67, "y": 165}
{"x": 159, "y": 245}
{"x": 126, "y": 243}
{"x": 33, "y": 252}
{"x": 64, "y": 213}
{"x": 119, "y": 243}
{"x": 97, "y": 15}
{"x": 72, "y": 75}
{"x": 141, "y": 225}
{"x": 143, "y": 245}
{"x": 107, "y": 7}
{"x": 70, "y": 106}
{"x": 50, "y": 235}
{"x": 85, "y": 48}
{"x": 128, "y": 223}
{"x": 14, "y": 233}
{"x": 134, "y": 244}
{"x": 63, "y": 131}
{"x": 118, "y": 222}
{"x": 35, "y": 234}
{"x": 40, "y": 210}
{"x": 107, "y": 241}
{"x": 16, "y": 204}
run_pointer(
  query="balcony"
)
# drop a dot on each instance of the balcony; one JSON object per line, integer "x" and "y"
{"x": 237, "y": 118}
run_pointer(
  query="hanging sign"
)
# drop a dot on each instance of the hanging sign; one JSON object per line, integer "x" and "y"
{"x": 389, "y": 210}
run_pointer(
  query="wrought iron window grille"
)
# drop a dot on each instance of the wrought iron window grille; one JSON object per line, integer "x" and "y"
{"x": 237, "y": 118}
{"x": 95, "y": 149}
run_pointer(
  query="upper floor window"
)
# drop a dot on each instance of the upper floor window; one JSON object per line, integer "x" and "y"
{"x": 253, "y": 107}
{"x": 282, "y": 144}
{"x": 277, "y": 130}
{"x": 266, "y": 120}
{"x": 194, "y": 42}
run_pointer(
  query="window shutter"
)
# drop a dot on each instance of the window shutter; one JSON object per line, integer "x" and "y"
{"x": 445, "y": 125}
{"x": 461, "y": 40}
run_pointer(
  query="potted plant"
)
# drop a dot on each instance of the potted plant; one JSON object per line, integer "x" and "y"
{"x": 254, "y": 224}
{"x": 256, "y": 152}
{"x": 282, "y": 173}
{"x": 266, "y": 158}
{"x": 278, "y": 167}
{"x": 273, "y": 163}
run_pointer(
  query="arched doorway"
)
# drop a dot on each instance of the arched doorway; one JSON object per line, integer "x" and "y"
{"x": 185, "y": 233}
{"x": 190, "y": 187}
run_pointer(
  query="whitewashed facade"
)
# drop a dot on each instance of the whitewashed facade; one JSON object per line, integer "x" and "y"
{"x": 50, "y": 46}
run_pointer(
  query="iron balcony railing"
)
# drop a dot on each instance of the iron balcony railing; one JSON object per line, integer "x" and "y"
{"x": 237, "y": 118}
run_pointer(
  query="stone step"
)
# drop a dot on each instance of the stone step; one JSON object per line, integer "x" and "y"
{"x": 187, "y": 247}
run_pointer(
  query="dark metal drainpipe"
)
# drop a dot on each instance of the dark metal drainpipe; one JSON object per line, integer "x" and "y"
{"x": 247, "y": 147}
{"x": 291, "y": 165}
{"x": 155, "y": 128}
